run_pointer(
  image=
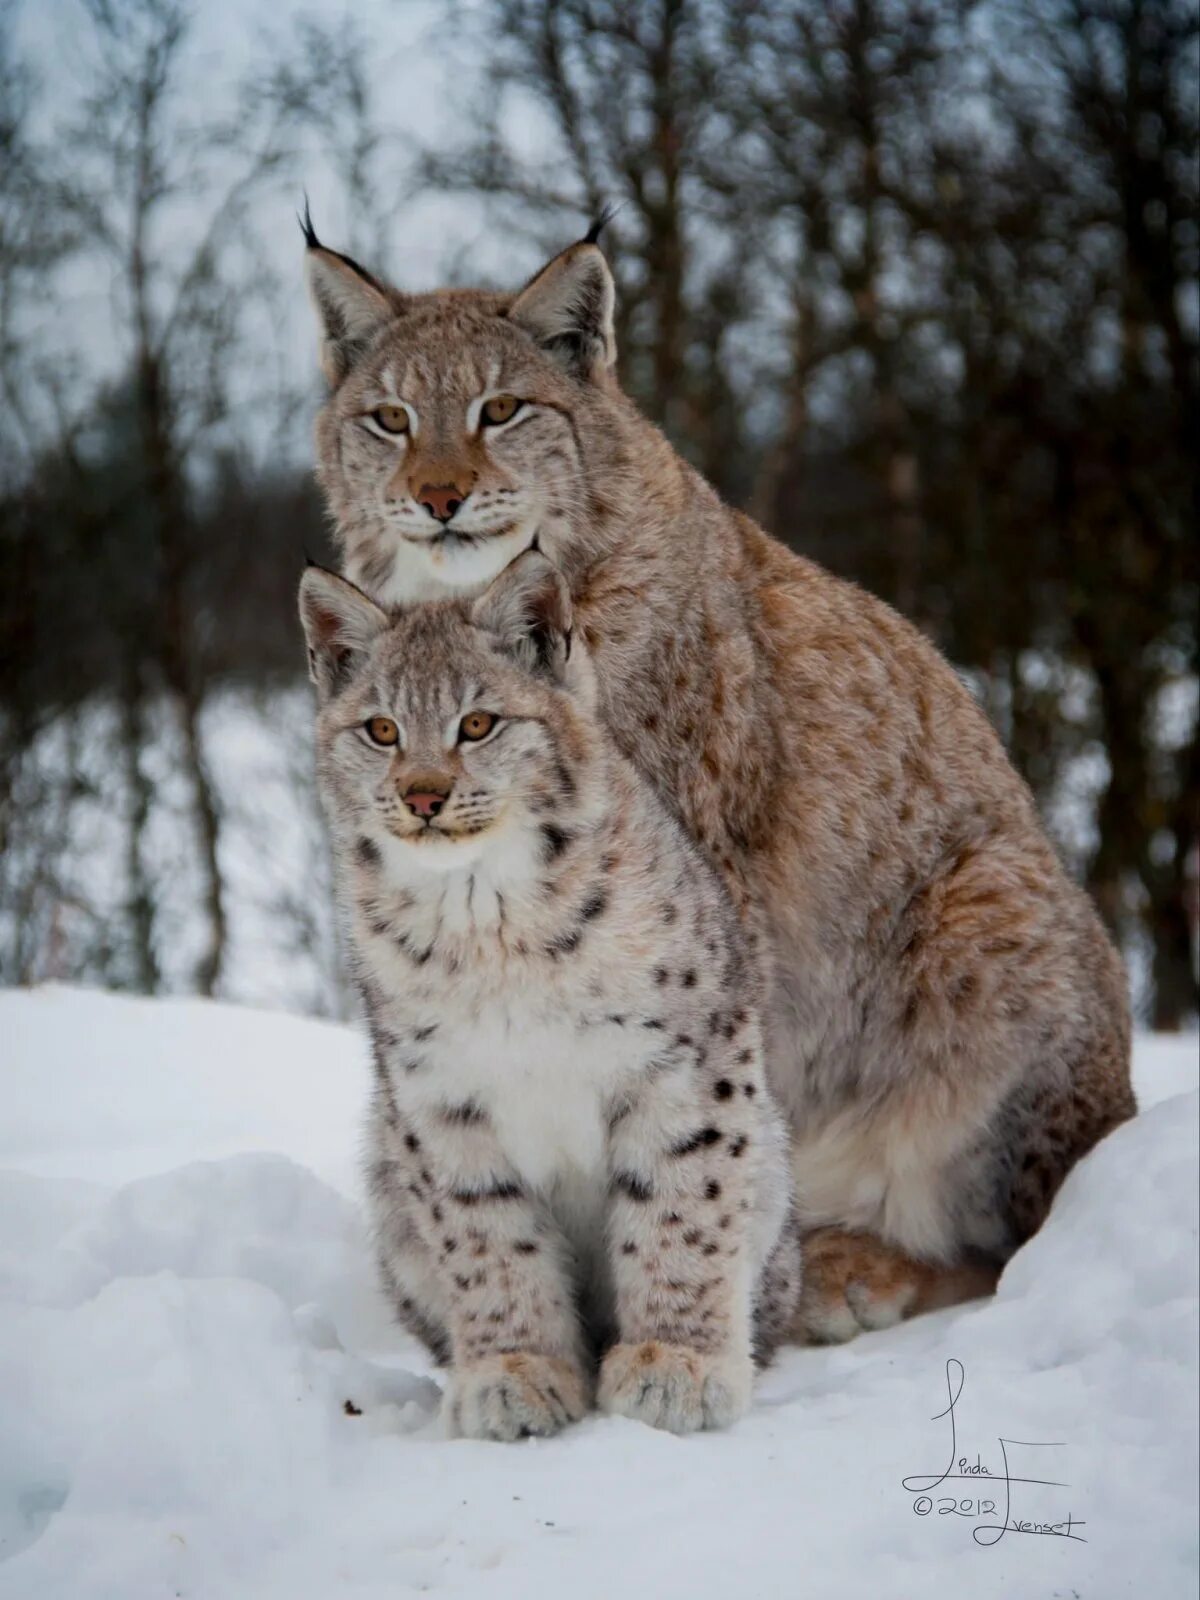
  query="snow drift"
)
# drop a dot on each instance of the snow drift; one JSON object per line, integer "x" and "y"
{"x": 201, "y": 1394}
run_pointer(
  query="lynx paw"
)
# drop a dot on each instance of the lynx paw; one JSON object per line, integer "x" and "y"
{"x": 513, "y": 1396}
{"x": 670, "y": 1386}
{"x": 854, "y": 1283}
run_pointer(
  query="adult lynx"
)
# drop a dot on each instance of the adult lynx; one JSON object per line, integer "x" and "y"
{"x": 947, "y": 1023}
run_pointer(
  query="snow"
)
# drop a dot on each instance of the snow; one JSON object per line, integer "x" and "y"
{"x": 187, "y": 1303}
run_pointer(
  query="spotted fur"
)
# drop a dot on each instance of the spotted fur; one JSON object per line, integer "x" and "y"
{"x": 574, "y": 1154}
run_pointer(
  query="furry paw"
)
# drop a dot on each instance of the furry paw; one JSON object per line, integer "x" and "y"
{"x": 513, "y": 1396}
{"x": 670, "y": 1386}
{"x": 854, "y": 1283}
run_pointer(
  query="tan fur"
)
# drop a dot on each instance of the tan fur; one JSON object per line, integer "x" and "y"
{"x": 947, "y": 1023}
{"x": 854, "y": 1281}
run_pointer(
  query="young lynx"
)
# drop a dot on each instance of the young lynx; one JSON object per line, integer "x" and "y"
{"x": 946, "y": 1020}
{"x": 574, "y": 1153}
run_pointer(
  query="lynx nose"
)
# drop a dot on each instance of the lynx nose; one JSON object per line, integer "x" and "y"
{"x": 424, "y": 799}
{"x": 441, "y": 500}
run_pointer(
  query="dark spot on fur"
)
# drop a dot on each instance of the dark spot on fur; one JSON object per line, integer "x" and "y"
{"x": 526, "y": 1247}
{"x": 723, "y": 1089}
{"x": 594, "y": 906}
{"x": 351, "y": 1409}
{"x": 633, "y": 1187}
{"x": 554, "y": 841}
{"x": 427, "y": 1032}
{"x": 696, "y": 1141}
{"x": 661, "y": 975}
{"x": 466, "y": 1115}
{"x": 411, "y": 1141}
{"x": 712, "y": 1190}
{"x": 745, "y": 1056}
{"x": 689, "y": 978}
{"x": 496, "y": 1191}
{"x": 963, "y": 991}
{"x": 749, "y": 1090}
{"x": 670, "y": 914}
{"x": 652, "y": 1022}
{"x": 366, "y": 853}
{"x": 629, "y": 1248}
{"x": 565, "y": 781}
{"x": 736, "y": 1146}
{"x": 693, "y": 1236}
{"x": 564, "y": 944}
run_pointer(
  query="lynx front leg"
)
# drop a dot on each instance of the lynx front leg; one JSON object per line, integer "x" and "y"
{"x": 680, "y": 1237}
{"x": 517, "y": 1365}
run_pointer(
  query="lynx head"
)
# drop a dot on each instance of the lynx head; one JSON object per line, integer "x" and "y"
{"x": 451, "y": 437}
{"x": 449, "y": 730}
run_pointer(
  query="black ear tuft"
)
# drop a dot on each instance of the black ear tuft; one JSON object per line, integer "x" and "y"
{"x": 607, "y": 212}
{"x": 567, "y": 308}
{"x": 306, "y": 226}
{"x": 351, "y": 305}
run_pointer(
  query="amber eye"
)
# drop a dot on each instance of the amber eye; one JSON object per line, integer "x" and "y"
{"x": 392, "y": 419}
{"x": 476, "y": 725}
{"x": 382, "y": 730}
{"x": 500, "y": 408}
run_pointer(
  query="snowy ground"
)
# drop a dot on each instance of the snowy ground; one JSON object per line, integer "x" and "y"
{"x": 186, "y": 1306}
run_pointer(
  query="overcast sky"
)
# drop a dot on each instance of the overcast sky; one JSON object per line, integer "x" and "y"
{"x": 428, "y": 77}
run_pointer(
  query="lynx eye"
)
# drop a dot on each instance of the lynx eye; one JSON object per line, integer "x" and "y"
{"x": 382, "y": 730}
{"x": 392, "y": 419}
{"x": 500, "y": 408}
{"x": 476, "y": 725}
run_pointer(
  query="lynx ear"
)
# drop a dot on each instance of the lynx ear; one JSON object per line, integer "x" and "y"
{"x": 339, "y": 624}
{"x": 528, "y": 612}
{"x": 568, "y": 310}
{"x": 349, "y": 302}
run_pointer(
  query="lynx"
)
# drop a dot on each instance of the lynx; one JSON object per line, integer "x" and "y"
{"x": 574, "y": 1154}
{"x": 946, "y": 1020}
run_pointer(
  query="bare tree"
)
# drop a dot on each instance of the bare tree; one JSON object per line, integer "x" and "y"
{"x": 628, "y": 89}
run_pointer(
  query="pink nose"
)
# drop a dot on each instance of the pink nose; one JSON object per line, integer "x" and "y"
{"x": 442, "y": 500}
{"x": 424, "y": 803}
